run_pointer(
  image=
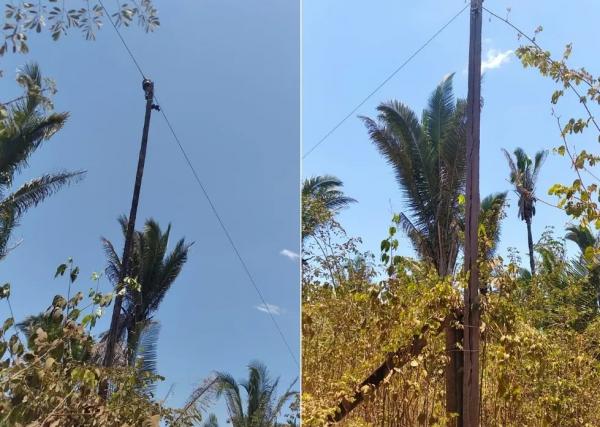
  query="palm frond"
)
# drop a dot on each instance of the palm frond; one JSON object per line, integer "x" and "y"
{"x": 22, "y": 136}
{"x": 113, "y": 266}
{"x": 492, "y": 208}
{"x": 540, "y": 158}
{"x": 171, "y": 267}
{"x": 440, "y": 109}
{"x": 200, "y": 399}
{"x": 282, "y": 400}
{"x": 228, "y": 386}
{"x": 146, "y": 352}
{"x": 327, "y": 189}
{"x": 581, "y": 236}
{"x": 514, "y": 174}
{"x": 420, "y": 241}
{"x": 8, "y": 222}
{"x": 212, "y": 421}
{"x": 35, "y": 191}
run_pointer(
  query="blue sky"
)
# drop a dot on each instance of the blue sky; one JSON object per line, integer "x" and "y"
{"x": 350, "y": 46}
{"x": 227, "y": 74}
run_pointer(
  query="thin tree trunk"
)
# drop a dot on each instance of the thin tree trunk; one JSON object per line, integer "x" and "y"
{"x": 394, "y": 360}
{"x": 530, "y": 243}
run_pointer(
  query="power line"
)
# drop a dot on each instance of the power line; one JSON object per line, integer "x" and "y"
{"x": 227, "y": 234}
{"x": 122, "y": 39}
{"x": 206, "y": 195}
{"x": 383, "y": 83}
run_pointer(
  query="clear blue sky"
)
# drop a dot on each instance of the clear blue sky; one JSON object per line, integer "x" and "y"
{"x": 227, "y": 74}
{"x": 350, "y": 46}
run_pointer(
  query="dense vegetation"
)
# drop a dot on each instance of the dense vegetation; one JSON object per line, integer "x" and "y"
{"x": 382, "y": 335}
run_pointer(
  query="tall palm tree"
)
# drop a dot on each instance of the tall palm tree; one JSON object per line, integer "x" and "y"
{"x": 27, "y": 125}
{"x": 263, "y": 406}
{"x": 523, "y": 175}
{"x": 322, "y": 197}
{"x": 429, "y": 161}
{"x": 155, "y": 270}
{"x": 428, "y": 158}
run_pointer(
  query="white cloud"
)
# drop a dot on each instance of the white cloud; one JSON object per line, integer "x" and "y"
{"x": 494, "y": 59}
{"x": 272, "y": 308}
{"x": 290, "y": 254}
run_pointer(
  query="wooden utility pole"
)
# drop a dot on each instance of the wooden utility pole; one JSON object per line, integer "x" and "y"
{"x": 471, "y": 316}
{"x": 113, "y": 332}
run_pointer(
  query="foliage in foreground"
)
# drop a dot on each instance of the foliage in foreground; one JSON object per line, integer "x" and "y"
{"x": 50, "y": 376}
{"x": 540, "y": 361}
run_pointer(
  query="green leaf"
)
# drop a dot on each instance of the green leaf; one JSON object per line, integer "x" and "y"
{"x": 385, "y": 245}
{"x": 74, "y": 274}
{"x": 74, "y": 314}
{"x": 5, "y": 291}
{"x": 60, "y": 270}
{"x": 589, "y": 253}
{"x": 7, "y": 324}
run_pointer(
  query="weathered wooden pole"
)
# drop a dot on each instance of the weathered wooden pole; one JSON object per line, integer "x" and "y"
{"x": 471, "y": 310}
{"x": 113, "y": 332}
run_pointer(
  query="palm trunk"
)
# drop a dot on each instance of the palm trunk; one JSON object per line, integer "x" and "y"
{"x": 530, "y": 243}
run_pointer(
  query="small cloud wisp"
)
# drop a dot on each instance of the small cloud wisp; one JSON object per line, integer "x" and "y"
{"x": 269, "y": 308}
{"x": 495, "y": 59}
{"x": 290, "y": 254}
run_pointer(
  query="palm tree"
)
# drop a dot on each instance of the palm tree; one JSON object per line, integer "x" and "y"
{"x": 322, "y": 197}
{"x": 27, "y": 125}
{"x": 429, "y": 161}
{"x": 523, "y": 175}
{"x": 156, "y": 271}
{"x": 428, "y": 158}
{"x": 262, "y": 407}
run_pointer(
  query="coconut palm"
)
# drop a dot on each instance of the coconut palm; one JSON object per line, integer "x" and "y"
{"x": 155, "y": 270}
{"x": 322, "y": 197}
{"x": 263, "y": 406}
{"x": 27, "y": 125}
{"x": 523, "y": 175}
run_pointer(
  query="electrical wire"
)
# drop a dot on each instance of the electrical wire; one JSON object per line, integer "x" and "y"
{"x": 206, "y": 195}
{"x": 384, "y": 82}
